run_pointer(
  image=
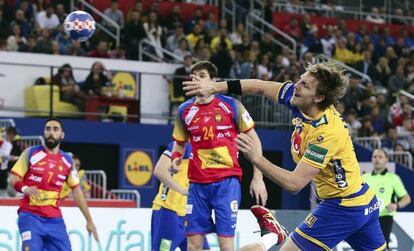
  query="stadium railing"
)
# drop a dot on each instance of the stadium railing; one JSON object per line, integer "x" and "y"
{"x": 124, "y": 194}
{"x": 4, "y": 123}
{"x": 371, "y": 143}
{"x": 405, "y": 158}
{"x": 98, "y": 181}
{"x": 32, "y": 140}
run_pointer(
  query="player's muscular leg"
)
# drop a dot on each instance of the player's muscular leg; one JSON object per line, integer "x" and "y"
{"x": 195, "y": 242}
{"x": 226, "y": 244}
{"x": 289, "y": 245}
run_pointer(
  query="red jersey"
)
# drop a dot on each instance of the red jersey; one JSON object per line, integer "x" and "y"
{"x": 211, "y": 129}
{"x": 48, "y": 172}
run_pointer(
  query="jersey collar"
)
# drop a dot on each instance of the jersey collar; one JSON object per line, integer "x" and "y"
{"x": 382, "y": 173}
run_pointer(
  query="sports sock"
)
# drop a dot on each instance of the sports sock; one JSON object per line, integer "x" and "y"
{"x": 268, "y": 240}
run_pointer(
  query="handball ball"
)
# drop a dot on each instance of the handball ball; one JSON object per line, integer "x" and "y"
{"x": 79, "y": 25}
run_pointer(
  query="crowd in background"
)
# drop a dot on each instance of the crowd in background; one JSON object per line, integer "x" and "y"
{"x": 371, "y": 108}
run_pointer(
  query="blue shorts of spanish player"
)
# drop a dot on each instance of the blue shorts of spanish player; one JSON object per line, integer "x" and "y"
{"x": 41, "y": 233}
{"x": 222, "y": 196}
{"x": 332, "y": 223}
{"x": 167, "y": 231}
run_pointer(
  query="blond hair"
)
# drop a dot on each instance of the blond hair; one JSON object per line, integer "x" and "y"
{"x": 333, "y": 82}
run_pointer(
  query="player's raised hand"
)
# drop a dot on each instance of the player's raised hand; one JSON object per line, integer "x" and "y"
{"x": 175, "y": 167}
{"x": 246, "y": 145}
{"x": 91, "y": 228}
{"x": 198, "y": 87}
{"x": 32, "y": 192}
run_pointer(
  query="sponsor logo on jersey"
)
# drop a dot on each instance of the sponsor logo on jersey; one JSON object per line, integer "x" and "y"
{"x": 285, "y": 88}
{"x": 222, "y": 135}
{"x": 26, "y": 235}
{"x": 192, "y": 128}
{"x": 372, "y": 208}
{"x": 67, "y": 163}
{"x": 60, "y": 176}
{"x": 193, "y": 111}
{"x": 189, "y": 209}
{"x": 35, "y": 178}
{"x": 37, "y": 157}
{"x": 224, "y": 127}
{"x": 224, "y": 107}
{"x": 316, "y": 153}
{"x": 59, "y": 183}
{"x": 247, "y": 119}
{"x": 36, "y": 168}
{"x": 196, "y": 138}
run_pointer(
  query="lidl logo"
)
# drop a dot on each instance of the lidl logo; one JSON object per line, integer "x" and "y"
{"x": 138, "y": 168}
{"x": 124, "y": 82}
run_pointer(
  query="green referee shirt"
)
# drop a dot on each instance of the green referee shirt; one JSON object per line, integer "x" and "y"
{"x": 388, "y": 188}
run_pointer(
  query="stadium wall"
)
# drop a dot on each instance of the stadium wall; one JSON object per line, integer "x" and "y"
{"x": 129, "y": 229}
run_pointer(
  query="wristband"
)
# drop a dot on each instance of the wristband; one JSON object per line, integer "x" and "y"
{"x": 18, "y": 186}
{"x": 24, "y": 188}
{"x": 175, "y": 155}
{"x": 234, "y": 87}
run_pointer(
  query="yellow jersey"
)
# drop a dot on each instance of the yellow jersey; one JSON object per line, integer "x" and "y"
{"x": 168, "y": 198}
{"x": 324, "y": 143}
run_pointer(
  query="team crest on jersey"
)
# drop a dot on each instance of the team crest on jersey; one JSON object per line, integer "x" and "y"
{"x": 234, "y": 205}
{"x": 310, "y": 220}
{"x": 218, "y": 117}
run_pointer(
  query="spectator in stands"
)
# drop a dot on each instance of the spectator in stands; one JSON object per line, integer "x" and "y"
{"x": 366, "y": 130}
{"x": 362, "y": 32}
{"x": 47, "y": 19}
{"x": 76, "y": 49}
{"x": 28, "y": 10}
{"x": 353, "y": 123}
{"x": 382, "y": 72}
{"x": 174, "y": 39}
{"x": 392, "y": 58}
{"x": 20, "y": 20}
{"x": 60, "y": 12}
{"x": 29, "y": 46}
{"x": 173, "y": 19}
{"x": 279, "y": 69}
{"x": 55, "y": 47}
{"x": 248, "y": 68}
{"x": 397, "y": 14}
{"x": 69, "y": 89}
{"x": 328, "y": 41}
{"x": 5, "y": 154}
{"x": 211, "y": 24}
{"x": 154, "y": 33}
{"x": 183, "y": 49}
{"x": 267, "y": 46}
{"x": 341, "y": 53}
{"x": 195, "y": 35}
{"x": 236, "y": 36}
{"x": 294, "y": 6}
{"x": 133, "y": 33}
{"x": 222, "y": 59}
{"x": 374, "y": 16}
{"x": 306, "y": 24}
{"x": 353, "y": 94}
{"x": 98, "y": 78}
{"x": 408, "y": 40}
{"x": 202, "y": 50}
{"x": 235, "y": 70}
{"x": 44, "y": 43}
{"x": 365, "y": 65}
{"x": 15, "y": 40}
{"x": 115, "y": 15}
{"x": 64, "y": 40}
{"x": 138, "y": 7}
{"x": 397, "y": 81}
{"x": 357, "y": 54}
{"x": 264, "y": 69}
{"x": 181, "y": 74}
{"x": 244, "y": 46}
{"x": 101, "y": 50}
{"x": 389, "y": 189}
{"x": 117, "y": 53}
{"x": 221, "y": 38}
{"x": 293, "y": 29}
{"x": 389, "y": 40}
{"x": 378, "y": 120}
{"x": 406, "y": 113}
{"x": 190, "y": 24}
{"x": 406, "y": 132}
{"x": 7, "y": 13}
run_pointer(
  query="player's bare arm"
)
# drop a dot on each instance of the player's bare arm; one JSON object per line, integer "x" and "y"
{"x": 162, "y": 172}
{"x": 196, "y": 87}
{"x": 30, "y": 191}
{"x": 177, "y": 156}
{"x": 83, "y": 206}
{"x": 292, "y": 181}
{"x": 257, "y": 185}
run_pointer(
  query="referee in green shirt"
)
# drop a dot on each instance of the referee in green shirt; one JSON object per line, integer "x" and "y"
{"x": 389, "y": 190}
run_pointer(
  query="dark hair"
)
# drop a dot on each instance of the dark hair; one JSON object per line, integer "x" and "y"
{"x": 57, "y": 120}
{"x": 382, "y": 150}
{"x": 205, "y": 65}
{"x": 11, "y": 130}
{"x": 74, "y": 156}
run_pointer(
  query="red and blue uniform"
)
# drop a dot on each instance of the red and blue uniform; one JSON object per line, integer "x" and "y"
{"x": 214, "y": 171}
{"x": 40, "y": 220}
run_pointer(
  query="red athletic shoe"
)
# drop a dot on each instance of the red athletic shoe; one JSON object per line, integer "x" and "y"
{"x": 268, "y": 223}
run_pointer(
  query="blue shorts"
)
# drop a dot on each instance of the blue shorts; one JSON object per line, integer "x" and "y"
{"x": 41, "y": 233}
{"x": 222, "y": 196}
{"x": 332, "y": 223}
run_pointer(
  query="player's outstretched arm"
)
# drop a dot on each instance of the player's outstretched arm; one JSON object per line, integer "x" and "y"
{"x": 177, "y": 156}
{"x": 83, "y": 206}
{"x": 257, "y": 185}
{"x": 163, "y": 172}
{"x": 292, "y": 181}
{"x": 197, "y": 87}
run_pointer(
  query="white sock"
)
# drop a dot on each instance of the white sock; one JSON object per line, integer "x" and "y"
{"x": 268, "y": 240}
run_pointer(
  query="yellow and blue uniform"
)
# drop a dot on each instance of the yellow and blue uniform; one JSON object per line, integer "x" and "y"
{"x": 169, "y": 209}
{"x": 349, "y": 208}
{"x": 40, "y": 221}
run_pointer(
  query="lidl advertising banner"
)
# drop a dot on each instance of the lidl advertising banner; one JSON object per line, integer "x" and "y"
{"x": 128, "y": 229}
